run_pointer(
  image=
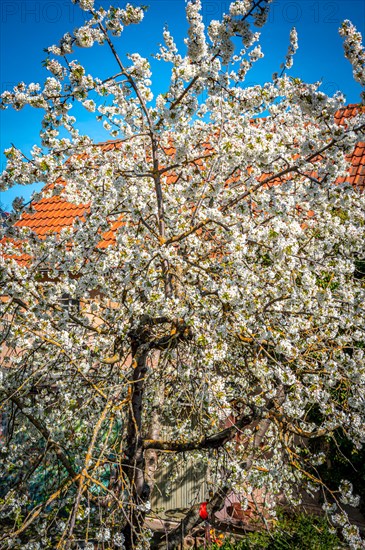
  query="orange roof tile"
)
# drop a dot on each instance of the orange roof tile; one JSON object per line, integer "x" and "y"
{"x": 21, "y": 258}
{"x": 51, "y": 214}
{"x": 356, "y": 173}
{"x": 347, "y": 112}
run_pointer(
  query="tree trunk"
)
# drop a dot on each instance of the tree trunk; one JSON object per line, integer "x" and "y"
{"x": 133, "y": 465}
{"x": 154, "y": 432}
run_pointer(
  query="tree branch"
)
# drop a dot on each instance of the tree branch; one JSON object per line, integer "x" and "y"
{"x": 210, "y": 442}
{"x": 43, "y": 430}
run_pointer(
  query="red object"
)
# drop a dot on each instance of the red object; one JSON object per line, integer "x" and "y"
{"x": 203, "y": 513}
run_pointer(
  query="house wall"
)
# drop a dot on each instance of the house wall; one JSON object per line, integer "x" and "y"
{"x": 179, "y": 486}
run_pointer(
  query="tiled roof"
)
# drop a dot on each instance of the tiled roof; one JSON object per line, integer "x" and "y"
{"x": 54, "y": 213}
{"x": 18, "y": 255}
{"x": 349, "y": 111}
{"x": 51, "y": 215}
{"x": 357, "y": 169}
{"x": 110, "y": 236}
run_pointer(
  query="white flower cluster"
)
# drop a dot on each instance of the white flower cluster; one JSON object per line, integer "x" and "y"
{"x": 86, "y": 5}
{"x": 90, "y": 105}
{"x": 119, "y": 540}
{"x": 86, "y": 36}
{"x": 56, "y": 68}
{"x": 197, "y": 46}
{"x": 354, "y": 51}
{"x": 113, "y": 22}
{"x": 220, "y": 34}
{"x": 262, "y": 12}
{"x": 239, "y": 7}
{"x": 65, "y": 46}
{"x": 131, "y": 15}
{"x": 144, "y": 506}
{"x": 293, "y": 46}
{"x": 103, "y": 535}
{"x": 346, "y": 494}
{"x": 117, "y": 18}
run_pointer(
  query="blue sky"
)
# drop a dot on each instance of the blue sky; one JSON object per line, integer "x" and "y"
{"x": 29, "y": 26}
